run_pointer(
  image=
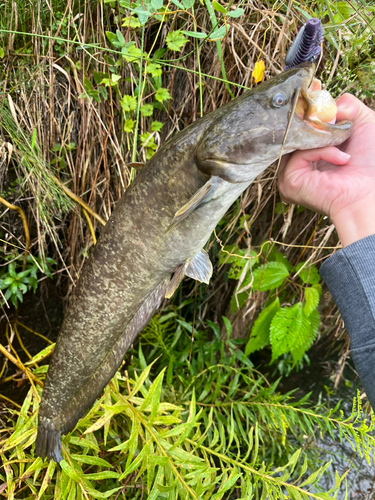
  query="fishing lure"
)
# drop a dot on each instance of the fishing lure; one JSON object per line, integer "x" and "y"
{"x": 306, "y": 46}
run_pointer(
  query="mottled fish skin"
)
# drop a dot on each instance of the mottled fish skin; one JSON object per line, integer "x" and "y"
{"x": 126, "y": 276}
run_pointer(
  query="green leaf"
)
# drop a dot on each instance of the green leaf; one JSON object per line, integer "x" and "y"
{"x": 111, "y": 37}
{"x": 285, "y": 330}
{"x": 156, "y": 126}
{"x": 157, "y": 4}
{"x": 194, "y": 34}
{"x": 235, "y": 13}
{"x": 306, "y": 338}
{"x": 129, "y": 125}
{"x": 228, "y": 326}
{"x": 240, "y": 263}
{"x": 132, "y": 54}
{"x": 88, "y": 459}
{"x": 6, "y": 283}
{"x": 269, "y": 276}
{"x": 128, "y": 103}
{"x": 314, "y": 320}
{"x": 311, "y": 300}
{"x": 162, "y": 95}
{"x": 106, "y": 474}
{"x": 175, "y": 40}
{"x": 178, "y": 4}
{"x": 99, "y": 494}
{"x": 260, "y": 333}
{"x": 2, "y": 53}
{"x": 219, "y": 7}
{"x": 12, "y": 271}
{"x": 141, "y": 380}
{"x": 110, "y": 82}
{"x": 309, "y": 273}
{"x": 154, "y": 69}
{"x": 68, "y": 469}
{"x": 218, "y": 34}
{"x": 188, "y": 4}
{"x": 147, "y": 109}
{"x": 153, "y": 396}
{"x": 142, "y": 14}
{"x": 120, "y": 38}
{"x": 130, "y": 21}
{"x": 33, "y": 138}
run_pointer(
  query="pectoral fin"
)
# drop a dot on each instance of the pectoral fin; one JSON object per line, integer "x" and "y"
{"x": 200, "y": 268}
{"x": 203, "y": 195}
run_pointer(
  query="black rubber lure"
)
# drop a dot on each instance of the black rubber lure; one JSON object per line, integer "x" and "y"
{"x": 306, "y": 46}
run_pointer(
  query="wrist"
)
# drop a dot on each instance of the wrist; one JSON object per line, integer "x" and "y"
{"x": 355, "y": 223}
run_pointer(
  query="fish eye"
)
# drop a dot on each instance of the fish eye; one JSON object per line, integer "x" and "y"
{"x": 279, "y": 100}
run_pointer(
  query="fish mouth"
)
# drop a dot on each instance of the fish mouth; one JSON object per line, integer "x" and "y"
{"x": 316, "y": 107}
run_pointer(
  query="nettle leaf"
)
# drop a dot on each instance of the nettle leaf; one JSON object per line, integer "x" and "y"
{"x": 308, "y": 333}
{"x": 156, "y": 126}
{"x": 311, "y": 300}
{"x": 314, "y": 320}
{"x": 147, "y": 109}
{"x": 162, "y": 95}
{"x": 260, "y": 333}
{"x": 176, "y": 40}
{"x": 285, "y": 330}
{"x": 128, "y": 103}
{"x": 309, "y": 274}
{"x": 318, "y": 288}
{"x": 269, "y": 276}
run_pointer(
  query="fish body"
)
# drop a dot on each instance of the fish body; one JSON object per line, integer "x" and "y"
{"x": 157, "y": 233}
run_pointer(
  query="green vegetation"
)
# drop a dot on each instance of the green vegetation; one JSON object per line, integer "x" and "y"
{"x": 89, "y": 93}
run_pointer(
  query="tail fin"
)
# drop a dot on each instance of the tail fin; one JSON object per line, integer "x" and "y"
{"x": 48, "y": 441}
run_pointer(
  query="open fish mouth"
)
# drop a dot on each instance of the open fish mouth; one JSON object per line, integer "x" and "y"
{"x": 317, "y": 107}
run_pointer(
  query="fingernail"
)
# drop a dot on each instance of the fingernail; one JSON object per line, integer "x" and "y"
{"x": 345, "y": 156}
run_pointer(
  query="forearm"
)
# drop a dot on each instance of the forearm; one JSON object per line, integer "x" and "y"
{"x": 350, "y": 277}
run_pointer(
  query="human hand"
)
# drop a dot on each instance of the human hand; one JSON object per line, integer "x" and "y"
{"x": 338, "y": 181}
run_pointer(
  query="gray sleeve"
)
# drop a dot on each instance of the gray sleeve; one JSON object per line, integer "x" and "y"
{"x": 350, "y": 277}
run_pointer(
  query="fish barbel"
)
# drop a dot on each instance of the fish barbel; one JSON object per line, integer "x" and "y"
{"x": 157, "y": 232}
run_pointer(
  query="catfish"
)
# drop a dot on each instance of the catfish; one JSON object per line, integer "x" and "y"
{"x": 157, "y": 233}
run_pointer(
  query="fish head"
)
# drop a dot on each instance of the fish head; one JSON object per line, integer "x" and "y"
{"x": 286, "y": 113}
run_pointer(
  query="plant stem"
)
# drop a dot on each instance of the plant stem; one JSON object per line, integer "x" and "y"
{"x": 25, "y": 226}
